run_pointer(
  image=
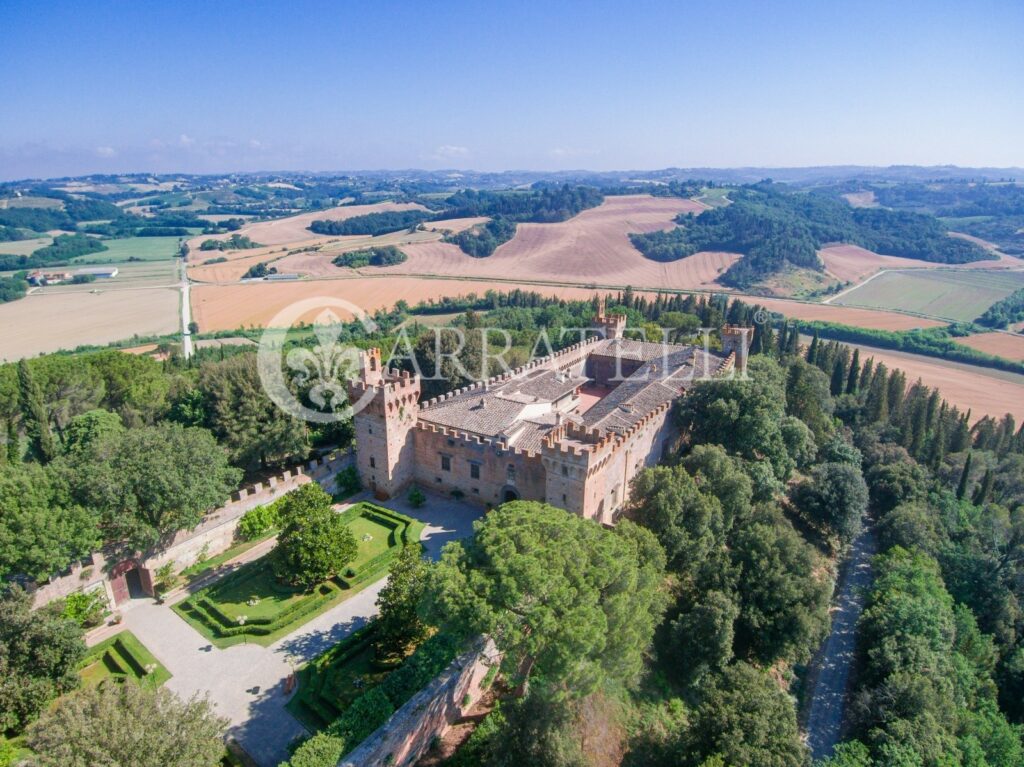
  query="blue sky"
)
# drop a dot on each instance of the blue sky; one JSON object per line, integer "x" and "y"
{"x": 222, "y": 86}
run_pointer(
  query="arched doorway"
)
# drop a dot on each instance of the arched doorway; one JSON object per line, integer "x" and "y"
{"x": 509, "y": 494}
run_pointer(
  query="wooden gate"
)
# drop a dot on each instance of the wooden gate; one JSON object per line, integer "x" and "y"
{"x": 118, "y": 582}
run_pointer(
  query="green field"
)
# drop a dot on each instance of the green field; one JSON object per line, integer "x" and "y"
{"x": 251, "y": 604}
{"x": 144, "y": 248}
{"x": 122, "y": 657}
{"x": 24, "y": 247}
{"x": 955, "y": 295}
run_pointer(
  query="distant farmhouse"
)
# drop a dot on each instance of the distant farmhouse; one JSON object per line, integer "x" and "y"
{"x": 571, "y": 429}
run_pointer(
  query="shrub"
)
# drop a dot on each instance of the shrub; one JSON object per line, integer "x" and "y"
{"x": 346, "y": 483}
{"x": 416, "y": 498}
{"x": 257, "y": 522}
{"x": 86, "y": 610}
{"x": 322, "y": 750}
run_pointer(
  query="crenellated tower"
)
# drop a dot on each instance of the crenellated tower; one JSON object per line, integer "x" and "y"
{"x": 387, "y": 407}
{"x": 610, "y": 325}
{"x": 736, "y": 340}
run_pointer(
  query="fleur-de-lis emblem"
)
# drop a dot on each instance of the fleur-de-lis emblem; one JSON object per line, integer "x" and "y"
{"x": 327, "y": 366}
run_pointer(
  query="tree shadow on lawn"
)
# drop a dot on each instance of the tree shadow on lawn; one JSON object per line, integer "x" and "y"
{"x": 306, "y": 646}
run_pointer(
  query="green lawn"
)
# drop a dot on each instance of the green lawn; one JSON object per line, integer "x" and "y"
{"x": 251, "y": 604}
{"x": 956, "y": 295}
{"x": 143, "y": 248}
{"x": 122, "y": 657}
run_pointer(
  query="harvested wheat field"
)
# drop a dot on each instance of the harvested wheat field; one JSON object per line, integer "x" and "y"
{"x": 454, "y": 225}
{"x": 984, "y": 390}
{"x": 293, "y": 229}
{"x": 1005, "y": 345}
{"x": 862, "y": 318}
{"x": 852, "y": 263}
{"x": 591, "y": 248}
{"x": 226, "y": 307}
{"x": 48, "y": 322}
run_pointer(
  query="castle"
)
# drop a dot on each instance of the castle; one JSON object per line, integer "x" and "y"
{"x": 571, "y": 429}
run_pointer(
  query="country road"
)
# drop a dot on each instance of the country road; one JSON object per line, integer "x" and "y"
{"x": 831, "y": 668}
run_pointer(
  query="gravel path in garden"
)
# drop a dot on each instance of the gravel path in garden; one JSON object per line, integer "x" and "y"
{"x": 246, "y": 682}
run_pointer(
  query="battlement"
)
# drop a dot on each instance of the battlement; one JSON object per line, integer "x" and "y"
{"x": 468, "y": 438}
{"x": 560, "y": 359}
{"x": 736, "y": 341}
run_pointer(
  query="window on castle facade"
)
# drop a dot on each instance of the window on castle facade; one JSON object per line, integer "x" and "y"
{"x": 565, "y": 471}
{"x": 373, "y": 462}
{"x": 446, "y": 463}
{"x": 510, "y": 473}
{"x": 474, "y": 470}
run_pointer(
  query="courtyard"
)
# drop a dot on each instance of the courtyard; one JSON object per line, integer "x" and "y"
{"x": 247, "y": 681}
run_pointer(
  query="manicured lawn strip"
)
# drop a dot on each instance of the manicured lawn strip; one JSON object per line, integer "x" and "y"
{"x": 201, "y": 568}
{"x": 121, "y": 656}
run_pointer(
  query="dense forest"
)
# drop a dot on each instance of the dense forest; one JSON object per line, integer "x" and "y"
{"x": 12, "y": 288}
{"x": 372, "y": 224}
{"x": 773, "y": 228}
{"x": 538, "y": 205}
{"x": 382, "y": 256}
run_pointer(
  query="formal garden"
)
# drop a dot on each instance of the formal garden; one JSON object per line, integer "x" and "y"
{"x": 122, "y": 657}
{"x": 270, "y": 597}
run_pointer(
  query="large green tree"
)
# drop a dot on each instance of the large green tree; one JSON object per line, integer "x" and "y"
{"x": 834, "y": 497}
{"x": 783, "y": 591}
{"x": 254, "y": 429}
{"x": 315, "y": 543}
{"x": 568, "y": 602}
{"x": 41, "y": 532}
{"x": 128, "y": 725}
{"x": 745, "y": 416}
{"x": 744, "y": 719}
{"x": 399, "y": 625}
{"x": 150, "y": 482}
{"x": 39, "y": 655}
{"x": 41, "y": 445}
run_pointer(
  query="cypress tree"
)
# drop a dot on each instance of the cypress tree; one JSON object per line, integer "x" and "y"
{"x": 878, "y": 396}
{"x": 812, "y": 350}
{"x": 851, "y": 381}
{"x": 33, "y": 414}
{"x": 838, "y": 377}
{"x": 865, "y": 375}
{"x": 984, "y": 490}
{"x": 961, "y": 439}
{"x": 783, "y": 338}
{"x": 965, "y": 477}
{"x": 13, "y": 441}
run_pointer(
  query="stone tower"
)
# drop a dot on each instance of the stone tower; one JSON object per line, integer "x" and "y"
{"x": 383, "y": 425}
{"x": 736, "y": 340}
{"x": 610, "y": 325}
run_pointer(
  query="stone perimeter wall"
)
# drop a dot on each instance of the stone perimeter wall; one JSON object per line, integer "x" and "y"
{"x": 411, "y": 730}
{"x": 215, "y": 534}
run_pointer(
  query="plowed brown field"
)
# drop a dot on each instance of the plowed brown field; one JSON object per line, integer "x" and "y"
{"x": 592, "y": 247}
{"x": 1000, "y": 344}
{"x": 226, "y": 307}
{"x": 863, "y": 318}
{"x": 852, "y": 263}
{"x": 293, "y": 229}
{"x": 983, "y": 390}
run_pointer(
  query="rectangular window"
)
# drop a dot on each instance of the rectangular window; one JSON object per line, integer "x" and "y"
{"x": 565, "y": 471}
{"x": 446, "y": 463}
{"x": 373, "y": 462}
{"x": 474, "y": 470}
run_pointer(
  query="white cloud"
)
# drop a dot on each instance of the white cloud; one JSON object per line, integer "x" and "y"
{"x": 186, "y": 140}
{"x": 105, "y": 151}
{"x": 448, "y": 151}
